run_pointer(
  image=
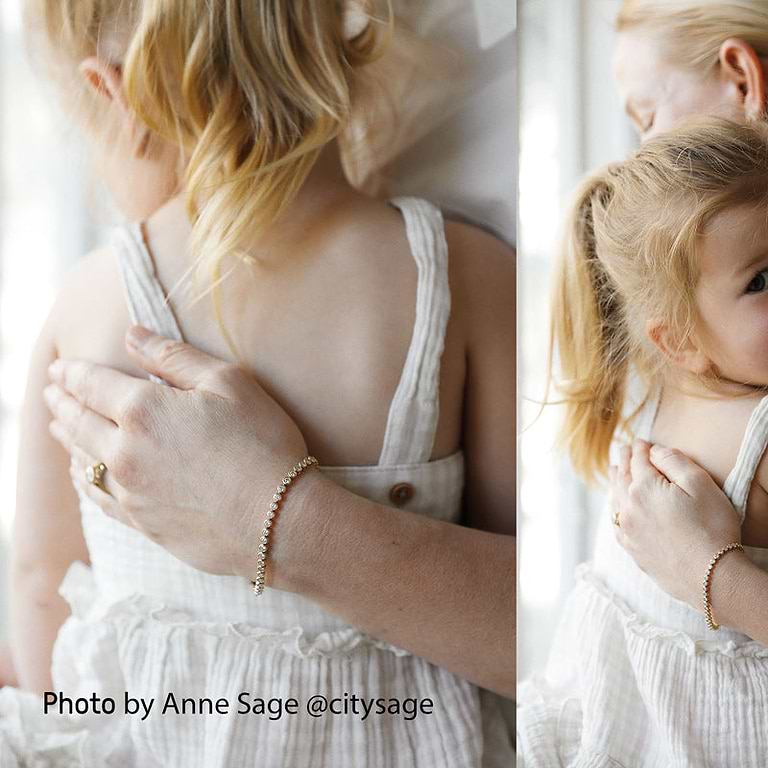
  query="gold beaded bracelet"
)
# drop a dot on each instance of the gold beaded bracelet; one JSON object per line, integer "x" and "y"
{"x": 705, "y": 590}
{"x": 261, "y": 565}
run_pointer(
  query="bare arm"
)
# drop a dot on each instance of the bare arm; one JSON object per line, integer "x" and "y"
{"x": 739, "y": 596}
{"x": 442, "y": 591}
{"x": 490, "y": 436}
{"x": 439, "y": 590}
{"x": 47, "y": 533}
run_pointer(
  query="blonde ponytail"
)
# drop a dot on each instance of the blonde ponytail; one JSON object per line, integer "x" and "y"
{"x": 590, "y": 333}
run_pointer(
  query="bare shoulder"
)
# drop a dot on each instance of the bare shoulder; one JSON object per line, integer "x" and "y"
{"x": 483, "y": 275}
{"x": 89, "y": 316}
{"x": 709, "y": 430}
{"x": 712, "y": 432}
{"x": 480, "y": 253}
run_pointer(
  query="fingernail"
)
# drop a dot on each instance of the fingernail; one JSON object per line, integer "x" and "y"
{"x": 137, "y": 336}
{"x": 656, "y": 449}
{"x": 55, "y": 370}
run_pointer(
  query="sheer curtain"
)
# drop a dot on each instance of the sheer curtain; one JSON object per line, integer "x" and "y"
{"x": 44, "y": 228}
{"x": 572, "y": 121}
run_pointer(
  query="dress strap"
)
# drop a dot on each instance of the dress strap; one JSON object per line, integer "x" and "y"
{"x": 147, "y": 303}
{"x": 753, "y": 446}
{"x": 413, "y": 414}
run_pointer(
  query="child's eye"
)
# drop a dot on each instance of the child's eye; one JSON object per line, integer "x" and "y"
{"x": 759, "y": 282}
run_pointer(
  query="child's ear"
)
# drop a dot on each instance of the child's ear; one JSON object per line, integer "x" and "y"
{"x": 105, "y": 79}
{"x": 743, "y": 69}
{"x": 685, "y": 354}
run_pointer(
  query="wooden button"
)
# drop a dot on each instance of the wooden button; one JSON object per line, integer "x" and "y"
{"x": 401, "y": 493}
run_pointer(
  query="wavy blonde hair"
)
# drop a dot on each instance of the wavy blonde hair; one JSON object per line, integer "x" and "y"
{"x": 692, "y": 32}
{"x": 631, "y": 255}
{"x": 250, "y": 91}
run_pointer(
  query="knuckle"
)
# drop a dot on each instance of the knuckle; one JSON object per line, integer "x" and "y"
{"x": 169, "y": 350}
{"x": 665, "y": 453}
{"x": 229, "y": 377}
{"x": 634, "y": 492}
{"x": 695, "y": 476}
{"x": 136, "y": 415}
{"x": 124, "y": 465}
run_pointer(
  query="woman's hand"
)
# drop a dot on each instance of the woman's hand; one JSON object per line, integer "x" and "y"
{"x": 672, "y": 517}
{"x": 187, "y": 464}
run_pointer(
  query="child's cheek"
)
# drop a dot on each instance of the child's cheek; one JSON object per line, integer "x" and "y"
{"x": 755, "y": 343}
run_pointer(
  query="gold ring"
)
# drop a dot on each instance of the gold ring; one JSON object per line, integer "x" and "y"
{"x": 95, "y": 476}
{"x": 616, "y": 520}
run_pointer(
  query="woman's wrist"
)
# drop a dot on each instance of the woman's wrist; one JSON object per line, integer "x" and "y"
{"x": 714, "y": 563}
{"x": 727, "y": 588}
{"x": 297, "y": 533}
{"x": 691, "y": 567}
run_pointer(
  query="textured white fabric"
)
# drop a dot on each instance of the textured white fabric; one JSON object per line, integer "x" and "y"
{"x": 739, "y": 481}
{"x": 415, "y": 404}
{"x": 146, "y": 623}
{"x": 636, "y": 679}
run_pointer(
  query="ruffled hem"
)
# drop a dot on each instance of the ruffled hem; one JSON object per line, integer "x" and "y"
{"x": 640, "y": 627}
{"x": 141, "y": 650}
{"x": 620, "y": 690}
{"x": 31, "y": 739}
{"x": 79, "y": 589}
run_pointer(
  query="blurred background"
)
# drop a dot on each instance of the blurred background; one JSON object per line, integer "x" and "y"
{"x": 44, "y": 227}
{"x": 571, "y": 121}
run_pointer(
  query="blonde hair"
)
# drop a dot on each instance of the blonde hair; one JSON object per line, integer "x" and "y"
{"x": 629, "y": 256}
{"x": 251, "y": 91}
{"x": 692, "y": 32}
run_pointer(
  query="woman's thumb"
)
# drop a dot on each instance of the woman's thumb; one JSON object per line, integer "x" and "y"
{"x": 180, "y": 364}
{"x": 677, "y": 468}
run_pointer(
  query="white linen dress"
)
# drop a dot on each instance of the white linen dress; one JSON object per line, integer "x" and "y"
{"x": 635, "y": 679}
{"x": 145, "y": 623}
